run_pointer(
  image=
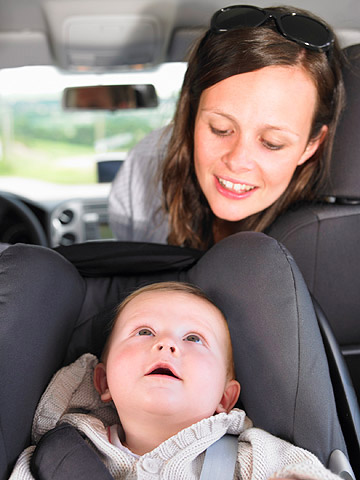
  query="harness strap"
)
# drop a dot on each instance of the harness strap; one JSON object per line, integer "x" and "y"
{"x": 220, "y": 459}
{"x": 62, "y": 453}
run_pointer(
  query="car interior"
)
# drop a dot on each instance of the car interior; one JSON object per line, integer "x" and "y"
{"x": 78, "y": 46}
{"x": 58, "y": 236}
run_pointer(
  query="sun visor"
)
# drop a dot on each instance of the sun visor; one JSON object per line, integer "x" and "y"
{"x": 107, "y": 41}
{"x": 105, "y": 35}
{"x": 24, "y": 48}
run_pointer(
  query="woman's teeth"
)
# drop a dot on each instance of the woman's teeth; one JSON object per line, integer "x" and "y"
{"x": 235, "y": 187}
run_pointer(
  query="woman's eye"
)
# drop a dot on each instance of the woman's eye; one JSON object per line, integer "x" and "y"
{"x": 144, "y": 331}
{"x": 219, "y": 132}
{"x": 193, "y": 338}
{"x": 271, "y": 146}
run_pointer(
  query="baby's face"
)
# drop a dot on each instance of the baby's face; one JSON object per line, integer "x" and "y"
{"x": 168, "y": 356}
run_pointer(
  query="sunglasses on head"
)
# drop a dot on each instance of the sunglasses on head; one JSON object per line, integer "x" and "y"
{"x": 306, "y": 31}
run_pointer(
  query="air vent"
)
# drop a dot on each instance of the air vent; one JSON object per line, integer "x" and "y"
{"x": 66, "y": 217}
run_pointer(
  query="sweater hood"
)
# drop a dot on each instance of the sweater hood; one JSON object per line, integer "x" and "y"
{"x": 71, "y": 390}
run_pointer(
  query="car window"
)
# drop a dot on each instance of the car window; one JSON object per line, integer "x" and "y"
{"x": 41, "y": 140}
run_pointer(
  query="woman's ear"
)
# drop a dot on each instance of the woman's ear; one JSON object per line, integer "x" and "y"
{"x": 100, "y": 383}
{"x": 230, "y": 397}
{"x": 313, "y": 145}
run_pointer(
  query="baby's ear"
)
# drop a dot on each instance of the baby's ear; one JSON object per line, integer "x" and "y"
{"x": 100, "y": 383}
{"x": 230, "y": 397}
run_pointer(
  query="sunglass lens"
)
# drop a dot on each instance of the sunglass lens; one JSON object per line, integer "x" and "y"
{"x": 305, "y": 29}
{"x": 235, "y": 17}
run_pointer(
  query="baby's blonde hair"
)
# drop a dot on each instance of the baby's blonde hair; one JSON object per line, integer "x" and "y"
{"x": 182, "y": 287}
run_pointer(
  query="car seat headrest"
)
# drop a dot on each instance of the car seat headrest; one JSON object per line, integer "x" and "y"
{"x": 344, "y": 182}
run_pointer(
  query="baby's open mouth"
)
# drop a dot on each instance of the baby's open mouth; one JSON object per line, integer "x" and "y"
{"x": 163, "y": 371}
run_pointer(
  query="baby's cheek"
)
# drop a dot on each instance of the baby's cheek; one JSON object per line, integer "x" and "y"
{"x": 212, "y": 376}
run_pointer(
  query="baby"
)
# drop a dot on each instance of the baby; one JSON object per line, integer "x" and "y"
{"x": 168, "y": 370}
{"x": 167, "y": 364}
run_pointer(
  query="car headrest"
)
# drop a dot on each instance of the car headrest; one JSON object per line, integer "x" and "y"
{"x": 344, "y": 181}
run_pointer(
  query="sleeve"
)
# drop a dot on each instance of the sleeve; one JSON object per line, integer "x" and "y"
{"x": 305, "y": 471}
{"x": 264, "y": 456}
{"x": 22, "y": 467}
{"x": 135, "y": 197}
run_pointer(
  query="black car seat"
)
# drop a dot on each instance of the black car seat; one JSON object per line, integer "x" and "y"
{"x": 324, "y": 239}
{"x": 53, "y": 309}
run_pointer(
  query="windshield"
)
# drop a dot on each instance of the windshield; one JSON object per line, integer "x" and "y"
{"x": 41, "y": 140}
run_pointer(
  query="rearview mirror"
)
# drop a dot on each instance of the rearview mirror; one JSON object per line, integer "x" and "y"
{"x": 110, "y": 97}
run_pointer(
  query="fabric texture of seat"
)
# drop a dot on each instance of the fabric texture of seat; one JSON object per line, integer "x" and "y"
{"x": 41, "y": 298}
{"x": 323, "y": 236}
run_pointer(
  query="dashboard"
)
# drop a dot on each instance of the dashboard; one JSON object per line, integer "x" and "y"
{"x": 32, "y": 211}
{"x": 79, "y": 220}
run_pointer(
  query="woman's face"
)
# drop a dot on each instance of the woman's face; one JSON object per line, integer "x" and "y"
{"x": 251, "y": 132}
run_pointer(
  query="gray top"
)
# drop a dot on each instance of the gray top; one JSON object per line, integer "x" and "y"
{"x": 135, "y": 198}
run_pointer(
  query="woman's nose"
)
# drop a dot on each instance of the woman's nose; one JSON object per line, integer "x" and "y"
{"x": 239, "y": 157}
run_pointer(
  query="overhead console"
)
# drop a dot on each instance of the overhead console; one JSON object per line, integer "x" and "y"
{"x": 109, "y": 34}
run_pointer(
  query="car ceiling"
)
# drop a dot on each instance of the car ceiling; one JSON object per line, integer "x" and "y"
{"x": 116, "y": 34}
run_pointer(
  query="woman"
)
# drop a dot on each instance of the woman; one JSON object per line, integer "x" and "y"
{"x": 252, "y": 134}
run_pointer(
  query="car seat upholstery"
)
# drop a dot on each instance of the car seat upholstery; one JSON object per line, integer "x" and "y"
{"x": 323, "y": 237}
{"x": 51, "y": 314}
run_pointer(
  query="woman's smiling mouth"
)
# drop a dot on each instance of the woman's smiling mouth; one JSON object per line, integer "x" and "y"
{"x": 233, "y": 188}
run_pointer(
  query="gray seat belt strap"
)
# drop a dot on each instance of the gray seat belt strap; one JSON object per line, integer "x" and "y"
{"x": 220, "y": 459}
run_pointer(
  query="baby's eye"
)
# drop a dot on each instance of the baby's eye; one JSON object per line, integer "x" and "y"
{"x": 144, "y": 331}
{"x": 193, "y": 338}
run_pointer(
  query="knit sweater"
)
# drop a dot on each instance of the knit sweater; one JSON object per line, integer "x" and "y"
{"x": 260, "y": 455}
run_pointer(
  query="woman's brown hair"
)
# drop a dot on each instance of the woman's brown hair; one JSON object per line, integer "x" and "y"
{"x": 215, "y": 57}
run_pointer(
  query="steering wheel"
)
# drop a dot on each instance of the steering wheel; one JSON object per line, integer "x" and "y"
{"x": 18, "y": 224}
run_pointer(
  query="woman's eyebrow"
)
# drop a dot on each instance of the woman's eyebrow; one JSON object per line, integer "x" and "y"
{"x": 216, "y": 112}
{"x": 281, "y": 128}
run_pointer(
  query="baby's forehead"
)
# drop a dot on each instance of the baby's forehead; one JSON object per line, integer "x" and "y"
{"x": 189, "y": 305}
{"x": 177, "y": 297}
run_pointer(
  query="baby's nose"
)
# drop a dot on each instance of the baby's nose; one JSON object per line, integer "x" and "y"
{"x": 165, "y": 346}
